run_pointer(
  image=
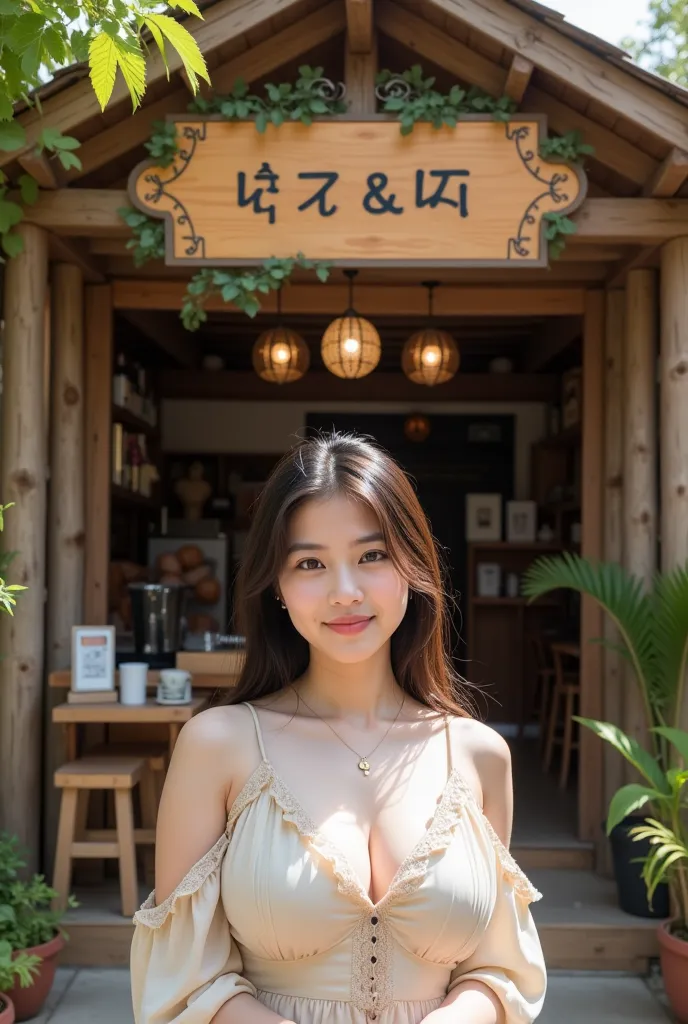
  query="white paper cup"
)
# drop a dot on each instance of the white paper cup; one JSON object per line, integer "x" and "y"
{"x": 133, "y": 676}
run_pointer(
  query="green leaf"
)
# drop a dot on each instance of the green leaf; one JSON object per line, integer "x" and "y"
{"x": 628, "y": 799}
{"x": 102, "y": 57}
{"x": 185, "y": 45}
{"x": 133, "y": 67}
{"x": 12, "y": 243}
{"x": 27, "y": 29}
{"x": 10, "y": 215}
{"x": 28, "y": 187}
{"x": 677, "y": 737}
{"x": 12, "y": 136}
{"x": 631, "y": 750}
{"x": 54, "y": 44}
{"x": 78, "y": 41}
{"x": 69, "y": 160}
{"x": 188, "y": 6}
{"x": 6, "y": 108}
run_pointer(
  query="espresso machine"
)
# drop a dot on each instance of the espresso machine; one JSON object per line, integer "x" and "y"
{"x": 157, "y": 611}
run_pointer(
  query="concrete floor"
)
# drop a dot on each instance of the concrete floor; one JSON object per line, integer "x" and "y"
{"x": 102, "y": 994}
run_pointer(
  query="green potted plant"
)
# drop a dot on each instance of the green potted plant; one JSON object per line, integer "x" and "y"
{"x": 652, "y": 626}
{"x": 30, "y": 929}
{"x": 15, "y": 969}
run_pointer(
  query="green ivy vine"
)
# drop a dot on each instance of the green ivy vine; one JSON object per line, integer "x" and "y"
{"x": 413, "y": 98}
{"x": 148, "y": 236}
{"x": 242, "y": 287}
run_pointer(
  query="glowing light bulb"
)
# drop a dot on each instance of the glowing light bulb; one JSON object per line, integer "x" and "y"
{"x": 280, "y": 353}
{"x": 430, "y": 356}
{"x": 351, "y": 346}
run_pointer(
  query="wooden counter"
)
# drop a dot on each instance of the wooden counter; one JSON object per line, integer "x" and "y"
{"x": 211, "y": 670}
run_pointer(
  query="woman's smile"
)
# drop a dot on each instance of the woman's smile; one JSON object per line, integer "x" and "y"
{"x": 350, "y": 625}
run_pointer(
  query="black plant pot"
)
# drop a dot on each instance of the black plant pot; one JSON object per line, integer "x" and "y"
{"x": 629, "y": 880}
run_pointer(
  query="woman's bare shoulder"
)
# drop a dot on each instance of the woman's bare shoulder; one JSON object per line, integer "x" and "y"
{"x": 480, "y": 739}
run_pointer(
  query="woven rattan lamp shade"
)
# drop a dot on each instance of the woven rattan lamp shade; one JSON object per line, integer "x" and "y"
{"x": 350, "y": 346}
{"x": 430, "y": 357}
{"x": 280, "y": 355}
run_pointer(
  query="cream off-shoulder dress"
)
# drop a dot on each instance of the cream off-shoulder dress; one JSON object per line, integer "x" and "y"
{"x": 274, "y": 909}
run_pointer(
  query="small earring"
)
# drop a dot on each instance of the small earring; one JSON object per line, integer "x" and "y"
{"x": 410, "y": 595}
{"x": 278, "y": 598}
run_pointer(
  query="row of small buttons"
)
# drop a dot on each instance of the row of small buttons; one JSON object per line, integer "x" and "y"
{"x": 373, "y": 960}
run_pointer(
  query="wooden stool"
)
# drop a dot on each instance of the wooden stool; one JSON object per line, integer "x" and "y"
{"x": 76, "y": 780}
{"x": 150, "y": 789}
{"x": 566, "y": 690}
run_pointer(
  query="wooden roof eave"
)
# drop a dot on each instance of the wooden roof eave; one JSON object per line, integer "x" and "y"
{"x": 552, "y": 51}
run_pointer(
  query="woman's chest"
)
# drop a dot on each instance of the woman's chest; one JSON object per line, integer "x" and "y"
{"x": 291, "y": 895}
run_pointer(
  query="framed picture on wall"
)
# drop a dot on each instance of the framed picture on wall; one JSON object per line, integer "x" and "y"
{"x": 93, "y": 658}
{"x": 521, "y": 522}
{"x": 483, "y": 517}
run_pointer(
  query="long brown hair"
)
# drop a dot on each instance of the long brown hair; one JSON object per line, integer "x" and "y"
{"x": 356, "y": 467}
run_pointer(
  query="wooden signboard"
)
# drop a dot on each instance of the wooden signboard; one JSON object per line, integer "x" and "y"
{"x": 358, "y": 193}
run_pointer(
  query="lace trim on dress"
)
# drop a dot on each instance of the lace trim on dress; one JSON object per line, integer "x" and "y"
{"x": 154, "y": 916}
{"x": 371, "y": 983}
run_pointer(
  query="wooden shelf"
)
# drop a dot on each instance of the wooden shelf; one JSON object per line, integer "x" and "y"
{"x": 127, "y": 418}
{"x": 124, "y": 496}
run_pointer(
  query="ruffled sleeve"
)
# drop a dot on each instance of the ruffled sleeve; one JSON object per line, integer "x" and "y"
{"x": 184, "y": 962}
{"x": 508, "y": 957}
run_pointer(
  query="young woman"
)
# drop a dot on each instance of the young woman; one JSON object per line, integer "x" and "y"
{"x": 332, "y": 844}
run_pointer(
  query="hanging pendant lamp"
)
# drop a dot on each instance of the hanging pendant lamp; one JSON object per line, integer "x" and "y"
{"x": 350, "y": 346}
{"x": 430, "y": 356}
{"x": 280, "y": 355}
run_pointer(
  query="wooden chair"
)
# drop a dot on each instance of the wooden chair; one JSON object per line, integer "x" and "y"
{"x": 544, "y": 683}
{"x": 77, "y": 779}
{"x": 566, "y": 692}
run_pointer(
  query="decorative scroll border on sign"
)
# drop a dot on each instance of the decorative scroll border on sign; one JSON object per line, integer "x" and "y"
{"x": 556, "y": 189}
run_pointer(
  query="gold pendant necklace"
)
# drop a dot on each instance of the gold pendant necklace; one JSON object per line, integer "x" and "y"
{"x": 363, "y": 762}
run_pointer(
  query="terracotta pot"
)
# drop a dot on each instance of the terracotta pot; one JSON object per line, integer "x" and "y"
{"x": 673, "y": 954}
{"x": 29, "y": 1001}
{"x": 6, "y": 1010}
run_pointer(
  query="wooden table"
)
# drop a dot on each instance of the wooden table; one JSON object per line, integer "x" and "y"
{"x": 150, "y": 713}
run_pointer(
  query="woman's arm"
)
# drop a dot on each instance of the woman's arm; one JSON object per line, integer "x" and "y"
{"x": 473, "y": 1001}
{"x": 191, "y": 818}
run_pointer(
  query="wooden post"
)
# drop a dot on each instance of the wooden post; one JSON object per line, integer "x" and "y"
{"x": 590, "y": 772}
{"x": 24, "y": 482}
{"x": 98, "y": 334}
{"x": 674, "y": 413}
{"x": 66, "y": 519}
{"x": 640, "y": 459}
{"x": 360, "y": 71}
{"x": 613, "y": 530}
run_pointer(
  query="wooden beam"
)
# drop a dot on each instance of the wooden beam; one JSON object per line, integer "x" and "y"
{"x": 287, "y": 45}
{"x": 378, "y": 386}
{"x": 45, "y": 171}
{"x": 360, "y": 73}
{"x": 574, "y": 65}
{"x": 669, "y": 176}
{"x": 98, "y": 329}
{"x": 518, "y": 78}
{"x": 556, "y": 335}
{"x": 611, "y": 150}
{"x": 75, "y": 251}
{"x": 432, "y": 44}
{"x": 171, "y": 337}
{"x": 612, "y": 550}
{"x": 93, "y": 213}
{"x": 674, "y": 416}
{"x": 640, "y": 462}
{"x": 635, "y": 260}
{"x": 359, "y": 25}
{"x": 221, "y": 22}
{"x": 23, "y": 481}
{"x": 373, "y": 300}
{"x": 66, "y": 514}
{"x": 578, "y": 254}
{"x": 590, "y": 773}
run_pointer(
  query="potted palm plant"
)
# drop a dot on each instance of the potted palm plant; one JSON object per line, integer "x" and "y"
{"x": 653, "y": 631}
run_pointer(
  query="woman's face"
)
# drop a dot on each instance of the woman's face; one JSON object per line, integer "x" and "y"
{"x": 342, "y": 592}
